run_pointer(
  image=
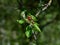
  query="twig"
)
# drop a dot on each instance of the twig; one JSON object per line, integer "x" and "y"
{"x": 47, "y": 5}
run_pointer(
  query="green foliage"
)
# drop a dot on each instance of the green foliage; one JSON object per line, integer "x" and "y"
{"x": 20, "y": 21}
{"x": 32, "y": 22}
{"x": 36, "y": 27}
{"x": 10, "y": 29}
{"x": 23, "y": 13}
{"x": 28, "y": 31}
{"x": 34, "y": 18}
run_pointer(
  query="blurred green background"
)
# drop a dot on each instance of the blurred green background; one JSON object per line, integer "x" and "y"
{"x": 12, "y": 33}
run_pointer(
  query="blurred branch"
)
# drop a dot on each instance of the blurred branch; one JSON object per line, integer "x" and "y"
{"x": 20, "y": 4}
{"x": 47, "y": 23}
{"x": 43, "y": 9}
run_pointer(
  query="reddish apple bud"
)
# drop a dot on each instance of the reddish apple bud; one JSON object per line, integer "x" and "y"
{"x": 29, "y": 18}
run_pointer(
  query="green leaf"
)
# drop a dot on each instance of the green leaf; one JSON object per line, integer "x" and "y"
{"x": 36, "y": 23}
{"x": 23, "y": 13}
{"x": 34, "y": 18}
{"x": 36, "y": 27}
{"x": 28, "y": 31}
{"x": 21, "y": 21}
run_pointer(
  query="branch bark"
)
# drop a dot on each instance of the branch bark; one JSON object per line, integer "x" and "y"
{"x": 43, "y": 9}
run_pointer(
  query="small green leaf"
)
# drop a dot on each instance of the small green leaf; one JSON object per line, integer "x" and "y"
{"x": 36, "y": 23}
{"x": 28, "y": 31}
{"x": 34, "y": 18}
{"x": 23, "y": 13}
{"x": 36, "y": 27}
{"x": 28, "y": 27}
{"x": 21, "y": 21}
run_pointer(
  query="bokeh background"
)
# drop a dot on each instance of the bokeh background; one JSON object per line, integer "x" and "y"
{"x": 12, "y": 33}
